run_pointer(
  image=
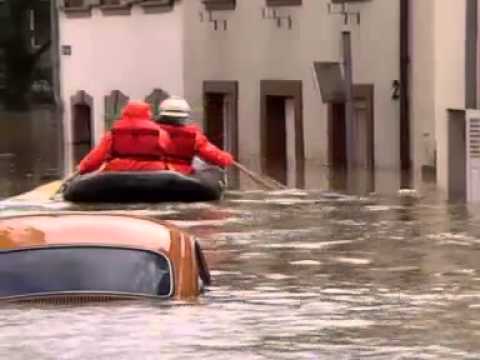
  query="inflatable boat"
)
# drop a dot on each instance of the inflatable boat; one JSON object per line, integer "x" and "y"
{"x": 156, "y": 186}
{"x": 80, "y": 257}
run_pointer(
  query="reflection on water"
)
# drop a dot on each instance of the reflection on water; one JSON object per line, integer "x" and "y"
{"x": 29, "y": 148}
{"x": 296, "y": 275}
{"x": 30, "y": 122}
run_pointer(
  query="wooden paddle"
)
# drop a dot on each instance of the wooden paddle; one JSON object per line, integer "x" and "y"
{"x": 263, "y": 180}
{"x": 64, "y": 184}
{"x": 41, "y": 193}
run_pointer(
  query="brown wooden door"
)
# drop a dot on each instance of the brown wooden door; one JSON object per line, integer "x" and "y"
{"x": 82, "y": 131}
{"x": 337, "y": 136}
{"x": 363, "y": 127}
{"x": 214, "y": 116}
{"x": 276, "y": 144}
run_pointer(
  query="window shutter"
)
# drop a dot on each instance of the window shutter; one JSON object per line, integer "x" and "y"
{"x": 155, "y": 98}
{"x": 219, "y": 4}
{"x": 114, "y": 103}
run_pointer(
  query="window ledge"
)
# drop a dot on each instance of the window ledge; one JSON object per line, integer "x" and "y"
{"x": 121, "y": 9}
{"x": 157, "y": 6}
{"x": 219, "y": 5}
{"x": 78, "y": 11}
{"x": 274, "y": 3}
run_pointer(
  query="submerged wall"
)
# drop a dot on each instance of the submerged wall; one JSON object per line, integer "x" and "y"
{"x": 133, "y": 53}
{"x": 254, "y": 48}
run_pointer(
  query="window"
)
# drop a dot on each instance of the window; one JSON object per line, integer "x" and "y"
{"x": 71, "y": 4}
{"x": 86, "y": 269}
{"x": 155, "y": 6}
{"x": 114, "y": 104}
{"x": 219, "y": 4}
{"x": 77, "y": 7}
{"x": 39, "y": 24}
{"x": 111, "y": 3}
{"x": 155, "y": 98}
{"x": 284, "y": 2}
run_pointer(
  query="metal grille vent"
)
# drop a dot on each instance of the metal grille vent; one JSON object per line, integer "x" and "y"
{"x": 474, "y": 138}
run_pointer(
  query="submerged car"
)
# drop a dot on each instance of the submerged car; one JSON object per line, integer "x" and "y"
{"x": 97, "y": 257}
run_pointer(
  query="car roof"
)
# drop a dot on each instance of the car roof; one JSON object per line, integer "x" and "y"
{"x": 23, "y": 231}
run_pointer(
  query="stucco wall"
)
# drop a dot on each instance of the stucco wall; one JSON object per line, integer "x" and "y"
{"x": 438, "y": 78}
{"x": 254, "y": 48}
{"x": 449, "y": 73}
{"x": 134, "y": 54}
{"x": 422, "y": 84}
{"x": 377, "y": 61}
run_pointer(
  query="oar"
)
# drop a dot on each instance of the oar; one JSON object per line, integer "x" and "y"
{"x": 72, "y": 177}
{"x": 269, "y": 184}
{"x": 64, "y": 184}
{"x": 275, "y": 182}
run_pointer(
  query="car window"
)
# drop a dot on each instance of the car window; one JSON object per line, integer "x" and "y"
{"x": 84, "y": 269}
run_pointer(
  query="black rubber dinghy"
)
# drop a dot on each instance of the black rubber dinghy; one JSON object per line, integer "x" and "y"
{"x": 152, "y": 187}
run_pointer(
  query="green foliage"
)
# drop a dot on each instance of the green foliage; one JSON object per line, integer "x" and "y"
{"x": 19, "y": 56}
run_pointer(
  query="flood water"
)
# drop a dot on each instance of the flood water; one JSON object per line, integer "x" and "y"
{"x": 296, "y": 275}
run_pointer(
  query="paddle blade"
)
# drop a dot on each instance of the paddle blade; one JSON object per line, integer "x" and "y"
{"x": 42, "y": 193}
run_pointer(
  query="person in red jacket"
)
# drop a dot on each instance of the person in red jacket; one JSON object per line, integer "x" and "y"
{"x": 187, "y": 139}
{"x": 135, "y": 143}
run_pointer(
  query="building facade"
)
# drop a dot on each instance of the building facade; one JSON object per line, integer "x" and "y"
{"x": 438, "y": 79}
{"x": 247, "y": 68}
{"x": 112, "y": 51}
{"x": 266, "y": 50}
{"x": 303, "y": 90}
{"x": 445, "y": 94}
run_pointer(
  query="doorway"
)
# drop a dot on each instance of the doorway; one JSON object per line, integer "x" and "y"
{"x": 362, "y": 178}
{"x": 281, "y": 131}
{"x": 337, "y": 144}
{"x": 220, "y": 101}
{"x": 215, "y": 119}
{"x": 276, "y": 139}
{"x": 457, "y": 155}
{"x": 82, "y": 131}
{"x": 82, "y": 125}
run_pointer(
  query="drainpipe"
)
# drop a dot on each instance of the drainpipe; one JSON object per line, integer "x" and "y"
{"x": 471, "y": 55}
{"x": 405, "y": 158}
{"x": 55, "y": 60}
{"x": 349, "y": 106}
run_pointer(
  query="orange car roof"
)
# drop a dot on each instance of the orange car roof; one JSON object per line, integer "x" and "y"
{"x": 84, "y": 229}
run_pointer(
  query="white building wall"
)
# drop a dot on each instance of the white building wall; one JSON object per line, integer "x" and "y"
{"x": 422, "y": 84}
{"x": 438, "y": 78}
{"x": 377, "y": 61}
{"x": 450, "y": 34}
{"x": 253, "y": 49}
{"x": 132, "y": 53}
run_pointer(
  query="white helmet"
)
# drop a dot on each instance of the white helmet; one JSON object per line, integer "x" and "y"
{"x": 175, "y": 106}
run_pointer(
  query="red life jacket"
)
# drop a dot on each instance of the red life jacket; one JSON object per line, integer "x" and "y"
{"x": 182, "y": 146}
{"x": 137, "y": 140}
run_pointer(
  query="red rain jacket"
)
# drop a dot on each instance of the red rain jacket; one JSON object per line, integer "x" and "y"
{"x": 135, "y": 143}
{"x": 188, "y": 141}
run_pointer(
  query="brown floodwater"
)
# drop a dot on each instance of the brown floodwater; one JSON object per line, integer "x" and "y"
{"x": 296, "y": 275}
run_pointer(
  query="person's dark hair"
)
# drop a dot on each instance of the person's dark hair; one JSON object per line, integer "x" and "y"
{"x": 172, "y": 120}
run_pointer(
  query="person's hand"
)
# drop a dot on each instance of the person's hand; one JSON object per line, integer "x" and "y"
{"x": 227, "y": 159}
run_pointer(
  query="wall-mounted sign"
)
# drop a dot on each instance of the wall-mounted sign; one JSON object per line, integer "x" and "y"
{"x": 66, "y": 50}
